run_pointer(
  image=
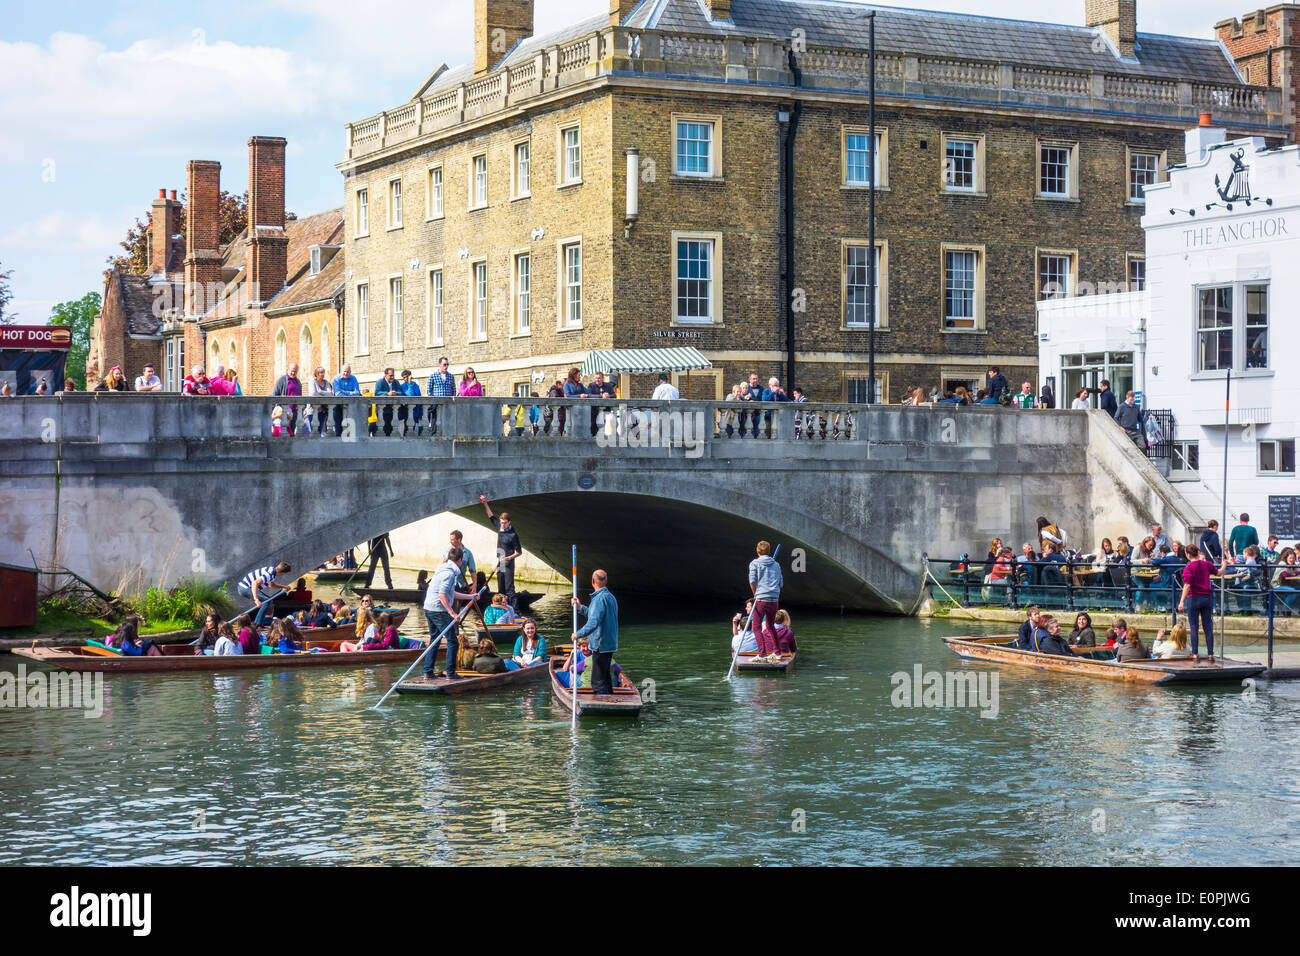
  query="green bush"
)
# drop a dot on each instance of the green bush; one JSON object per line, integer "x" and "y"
{"x": 190, "y": 601}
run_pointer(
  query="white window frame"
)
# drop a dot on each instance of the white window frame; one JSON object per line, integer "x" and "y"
{"x": 715, "y": 144}
{"x": 882, "y": 284}
{"x": 977, "y": 173}
{"x": 435, "y": 184}
{"x": 716, "y": 318}
{"x": 864, "y": 376}
{"x": 1240, "y": 297}
{"x": 1071, "y": 192}
{"x": 479, "y": 307}
{"x": 1071, "y": 256}
{"x": 435, "y": 305}
{"x": 395, "y": 203}
{"x": 981, "y": 261}
{"x": 1178, "y": 459}
{"x": 1131, "y": 260}
{"x": 563, "y": 173}
{"x": 362, "y": 295}
{"x": 521, "y": 294}
{"x": 361, "y": 212}
{"x": 564, "y": 322}
{"x": 521, "y": 186}
{"x": 880, "y": 157}
{"x": 396, "y": 305}
{"x": 1276, "y": 444}
{"x": 475, "y": 201}
{"x": 1162, "y": 160}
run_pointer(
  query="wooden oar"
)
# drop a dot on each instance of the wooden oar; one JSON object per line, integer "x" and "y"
{"x": 455, "y": 622}
{"x": 736, "y": 653}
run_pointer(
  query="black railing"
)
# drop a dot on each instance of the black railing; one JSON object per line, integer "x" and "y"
{"x": 1081, "y": 584}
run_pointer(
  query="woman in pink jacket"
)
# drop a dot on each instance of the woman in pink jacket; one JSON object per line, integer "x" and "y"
{"x": 470, "y": 386}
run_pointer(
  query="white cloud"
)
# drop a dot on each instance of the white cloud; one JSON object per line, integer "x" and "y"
{"x": 65, "y": 232}
{"x": 74, "y": 92}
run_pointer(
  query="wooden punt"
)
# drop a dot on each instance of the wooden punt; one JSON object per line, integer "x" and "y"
{"x": 394, "y": 595}
{"x": 524, "y": 601}
{"x": 334, "y": 575}
{"x": 472, "y": 683}
{"x": 748, "y": 661}
{"x": 624, "y": 702}
{"x": 345, "y": 632}
{"x": 181, "y": 657}
{"x": 1100, "y": 663}
{"x": 500, "y": 633}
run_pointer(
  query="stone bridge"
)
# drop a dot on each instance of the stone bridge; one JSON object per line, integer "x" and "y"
{"x": 138, "y": 489}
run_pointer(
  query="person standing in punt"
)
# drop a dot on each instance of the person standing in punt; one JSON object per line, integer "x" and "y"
{"x": 601, "y": 629}
{"x": 508, "y": 549}
{"x": 439, "y": 611}
{"x": 259, "y": 584}
{"x": 765, "y": 583}
{"x": 381, "y": 547}
{"x": 1196, "y": 600}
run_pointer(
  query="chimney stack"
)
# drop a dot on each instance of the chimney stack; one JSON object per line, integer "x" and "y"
{"x": 498, "y": 26}
{"x": 620, "y": 10}
{"x": 202, "y": 235}
{"x": 162, "y": 226}
{"x": 1118, "y": 20}
{"x": 268, "y": 243}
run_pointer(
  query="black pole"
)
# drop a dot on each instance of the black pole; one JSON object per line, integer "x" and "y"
{"x": 871, "y": 216}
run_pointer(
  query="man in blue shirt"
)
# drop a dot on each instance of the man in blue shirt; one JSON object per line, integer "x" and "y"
{"x": 442, "y": 384}
{"x": 409, "y": 386}
{"x": 439, "y": 611}
{"x": 601, "y": 629}
{"x": 345, "y": 383}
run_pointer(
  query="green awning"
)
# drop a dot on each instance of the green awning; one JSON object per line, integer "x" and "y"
{"x": 680, "y": 359}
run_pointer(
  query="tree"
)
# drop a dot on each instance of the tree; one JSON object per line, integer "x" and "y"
{"x": 80, "y": 315}
{"x": 234, "y": 219}
{"x": 6, "y": 296}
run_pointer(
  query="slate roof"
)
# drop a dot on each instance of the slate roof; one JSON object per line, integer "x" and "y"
{"x": 840, "y": 23}
{"x": 137, "y": 301}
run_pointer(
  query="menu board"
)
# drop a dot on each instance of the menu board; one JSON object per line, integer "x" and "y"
{"x": 1284, "y": 515}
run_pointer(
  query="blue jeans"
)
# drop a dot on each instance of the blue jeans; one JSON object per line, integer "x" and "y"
{"x": 439, "y": 620}
{"x": 263, "y": 609}
{"x": 1200, "y": 613}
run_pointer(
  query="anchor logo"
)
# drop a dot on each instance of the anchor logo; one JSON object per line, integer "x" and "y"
{"x": 1237, "y": 187}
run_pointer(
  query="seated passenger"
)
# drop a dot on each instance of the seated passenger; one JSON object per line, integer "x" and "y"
{"x": 317, "y": 616}
{"x": 1169, "y": 645}
{"x": 208, "y": 636}
{"x": 367, "y": 631}
{"x": 1131, "y": 647}
{"x": 1048, "y": 639}
{"x": 487, "y": 660}
{"x": 1082, "y": 635}
{"x": 286, "y": 636}
{"x": 784, "y": 634}
{"x": 250, "y": 642}
{"x": 340, "y": 612}
{"x": 1025, "y": 639}
{"x": 131, "y": 644}
{"x": 584, "y": 672}
{"x": 387, "y": 638}
{"x": 499, "y": 611}
{"x": 743, "y": 642}
{"x": 300, "y": 592}
{"x": 530, "y": 648}
{"x": 227, "y": 643}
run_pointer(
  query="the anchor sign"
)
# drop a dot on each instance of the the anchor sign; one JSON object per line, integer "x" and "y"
{"x": 1237, "y": 187}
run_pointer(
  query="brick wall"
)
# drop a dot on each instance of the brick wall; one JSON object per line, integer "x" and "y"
{"x": 1266, "y": 47}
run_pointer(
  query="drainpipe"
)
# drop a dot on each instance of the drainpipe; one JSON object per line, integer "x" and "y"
{"x": 787, "y": 177}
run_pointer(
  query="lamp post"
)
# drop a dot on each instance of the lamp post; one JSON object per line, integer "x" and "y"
{"x": 871, "y": 214}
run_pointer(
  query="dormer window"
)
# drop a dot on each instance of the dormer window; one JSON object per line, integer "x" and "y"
{"x": 315, "y": 260}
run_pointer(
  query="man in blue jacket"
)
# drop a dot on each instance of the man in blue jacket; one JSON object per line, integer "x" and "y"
{"x": 601, "y": 629}
{"x": 388, "y": 385}
{"x": 345, "y": 383}
{"x": 1106, "y": 399}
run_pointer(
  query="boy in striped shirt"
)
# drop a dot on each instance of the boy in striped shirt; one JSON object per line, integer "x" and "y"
{"x": 259, "y": 584}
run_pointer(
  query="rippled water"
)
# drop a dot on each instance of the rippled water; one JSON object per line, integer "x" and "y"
{"x": 286, "y": 768}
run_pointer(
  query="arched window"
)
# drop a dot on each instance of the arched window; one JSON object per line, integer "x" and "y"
{"x": 216, "y": 357}
{"x": 325, "y": 349}
{"x": 281, "y": 353}
{"x": 305, "y": 366}
{"x": 232, "y": 363}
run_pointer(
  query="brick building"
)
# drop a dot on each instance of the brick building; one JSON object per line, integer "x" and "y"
{"x": 1266, "y": 46}
{"x": 269, "y": 297}
{"x": 488, "y": 217}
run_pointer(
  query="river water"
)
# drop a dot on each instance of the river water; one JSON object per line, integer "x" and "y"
{"x": 819, "y": 766}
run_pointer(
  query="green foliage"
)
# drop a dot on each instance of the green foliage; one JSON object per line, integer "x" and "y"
{"x": 191, "y": 601}
{"x": 80, "y": 315}
{"x": 6, "y": 296}
{"x": 234, "y": 220}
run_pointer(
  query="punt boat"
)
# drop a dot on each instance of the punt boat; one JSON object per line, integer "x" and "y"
{"x": 181, "y": 657}
{"x": 748, "y": 661}
{"x": 624, "y": 702}
{"x": 1100, "y": 663}
{"x": 470, "y": 682}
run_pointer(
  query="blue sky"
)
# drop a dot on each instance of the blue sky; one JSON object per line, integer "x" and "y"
{"x": 104, "y": 103}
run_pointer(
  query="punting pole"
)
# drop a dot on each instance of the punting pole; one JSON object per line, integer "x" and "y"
{"x": 736, "y": 653}
{"x": 573, "y": 654}
{"x": 455, "y": 622}
{"x": 1223, "y": 527}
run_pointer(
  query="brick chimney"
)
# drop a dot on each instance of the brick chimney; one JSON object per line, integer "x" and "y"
{"x": 202, "y": 235}
{"x": 268, "y": 244}
{"x": 1266, "y": 47}
{"x": 1117, "y": 19}
{"x": 163, "y": 225}
{"x": 620, "y": 10}
{"x": 498, "y": 26}
{"x": 719, "y": 9}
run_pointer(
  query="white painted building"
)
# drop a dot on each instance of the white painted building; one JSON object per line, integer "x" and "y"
{"x": 1222, "y": 291}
